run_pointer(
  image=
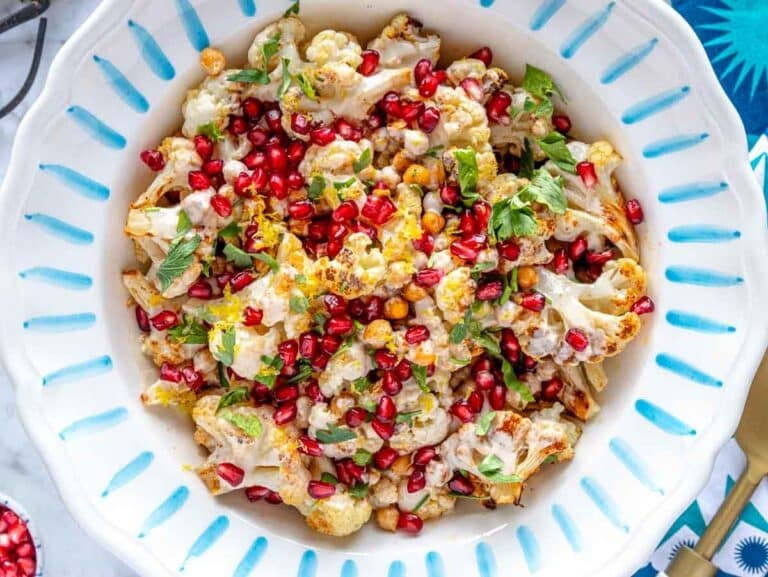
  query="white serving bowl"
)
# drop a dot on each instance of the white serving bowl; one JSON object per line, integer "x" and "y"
{"x": 634, "y": 73}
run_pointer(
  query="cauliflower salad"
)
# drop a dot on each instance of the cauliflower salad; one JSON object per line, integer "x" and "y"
{"x": 378, "y": 285}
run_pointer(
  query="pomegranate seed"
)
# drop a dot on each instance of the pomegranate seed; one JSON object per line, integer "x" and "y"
{"x": 464, "y": 251}
{"x": 310, "y": 446}
{"x": 375, "y": 121}
{"x": 510, "y": 346}
{"x": 321, "y": 489}
{"x": 312, "y": 390}
{"x": 334, "y": 304}
{"x": 274, "y": 120}
{"x": 461, "y": 485}
{"x": 366, "y": 229}
{"x": 301, "y": 210}
{"x": 428, "y": 277}
{"x": 428, "y": 86}
{"x": 529, "y": 363}
{"x": 274, "y": 498}
{"x": 417, "y": 481}
{"x": 369, "y": 63}
{"x": 309, "y": 345}
{"x": 475, "y": 402}
{"x": 411, "y": 111}
{"x": 295, "y": 180}
{"x": 299, "y": 123}
{"x": 425, "y": 244}
{"x": 382, "y": 429}
{"x": 286, "y": 393}
{"x": 485, "y": 54}
{"x": 643, "y": 306}
{"x": 243, "y": 184}
{"x": 577, "y": 249}
{"x": 142, "y": 319}
{"x": 586, "y": 171}
{"x": 213, "y": 167}
{"x": 198, "y": 180}
{"x": 277, "y": 159}
{"x": 238, "y": 125}
{"x": 467, "y": 223}
{"x": 193, "y": 378}
{"x": 285, "y": 413}
{"x": 170, "y": 373}
{"x": 410, "y": 523}
{"x": 482, "y": 212}
{"x": 165, "y": 320}
{"x": 423, "y": 456}
{"x": 462, "y": 411}
{"x": 252, "y": 317}
{"x": 577, "y": 339}
{"x": 352, "y": 471}
{"x": 378, "y": 209}
{"x": 482, "y": 363}
{"x": 533, "y": 301}
{"x": 322, "y": 136}
{"x": 278, "y": 185}
{"x": 222, "y": 280}
{"x": 390, "y": 384}
{"x": 489, "y": 291}
{"x": 339, "y": 325}
{"x": 416, "y": 334}
{"x": 421, "y": 70}
{"x": 562, "y": 123}
{"x": 484, "y": 380}
{"x": 385, "y": 360}
{"x": 450, "y": 194}
{"x": 551, "y": 388}
{"x": 252, "y": 108}
{"x": 429, "y": 119}
{"x": 560, "y": 261}
{"x": 153, "y": 159}
{"x": 634, "y": 211}
{"x": 337, "y": 231}
{"x": 295, "y": 152}
{"x": 241, "y": 280}
{"x": 601, "y": 257}
{"x": 256, "y": 160}
{"x": 203, "y": 146}
{"x": 497, "y": 397}
{"x": 384, "y": 458}
{"x": 345, "y": 212}
{"x": 258, "y": 137}
{"x": 221, "y": 205}
{"x": 231, "y": 473}
{"x": 347, "y": 130}
{"x": 509, "y": 250}
{"x": 355, "y": 417}
{"x": 386, "y": 409}
{"x": 497, "y": 107}
{"x": 318, "y": 230}
{"x": 473, "y": 89}
{"x": 288, "y": 351}
{"x": 257, "y": 493}
{"x": 391, "y": 104}
{"x": 342, "y": 473}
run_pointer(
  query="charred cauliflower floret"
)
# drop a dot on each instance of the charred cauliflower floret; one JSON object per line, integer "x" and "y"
{"x": 288, "y": 32}
{"x": 521, "y": 125}
{"x": 250, "y": 348}
{"x": 463, "y": 121}
{"x": 180, "y": 158}
{"x": 211, "y": 103}
{"x": 356, "y": 271}
{"x": 339, "y": 515}
{"x": 403, "y": 43}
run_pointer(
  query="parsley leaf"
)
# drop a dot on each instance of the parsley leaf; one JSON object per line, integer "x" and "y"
{"x": 225, "y": 352}
{"x": 306, "y": 86}
{"x": 515, "y": 384}
{"x": 299, "y": 304}
{"x": 274, "y": 363}
{"x": 461, "y": 329}
{"x": 362, "y": 457}
{"x": 316, "y": 187}
{"x": 513, "y": 280}
{"x": 359, "y": 491}
{"x": 292, "y": 9}
{"x": 285, "y": 84}
{"x": 222, "y": 371}
{"x": 420, "y": 374}
{"x": 305, "y": 371}
{"x": 468, "y": 174}
{"x": 341, "y": 185}
{"x": 234, "y": 396}
{"x": 189, "y": 332}
{"x": 328, "y": 478}
{"x": 237, "y": 256}
{"x": 334, "y": 434}
{"x": 180, "y": 257}
{"x": 526, "y": 161}
{"x": 249, "y": 424}
{"x": 211, "y": 131}
{"x": 545, "y": 189}
{"x": 482, "y": 267}
{"x": 484, "y": 424}
{"x": 435, "y": 151}
{"x": 361, "y": 384}
{"x": 556, "y": 150}
{"x": 250, "y": 76}
{"x": 265, "y": 258}
{"x": 232, "y": 230}
{"x": 486, "y": 341}
{"x": 183, "y": 225}
{"x": 510, "y": 217}
{"x": 491, "y": 468}
{"x": 538, "y": 83}
{"x": 421, "y": 502}
{"x": 270, "y": 48}
{"x": 363, "y": 161}
{"x": 407, "y": 417}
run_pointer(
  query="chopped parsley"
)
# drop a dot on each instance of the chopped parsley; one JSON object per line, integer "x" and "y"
{"x": 232, "y": 230}
{"x": 249, "y": 424}
{"x": 225, "y": 352}
{"x": 233, "y": 397}
{"x": 407, "y": 417}
{"x": 526, "y": 161}
{"x": 361, "y": 384}
{"x": 299, "y": 304}
{"x": 316, "y": 187}
{"x": 237, "y": 256}
{"x": 362, "y": 457}
{"x": 189, "y": 332}
{"x": 334, "y": 434}
{"x": 265, "y": 258}
{"x": 359, "y": 491}
{"x": 363, "y": 161}
{"x": 435, "y": 151}
{"x": 421, "y": 502}
{"x": 292, "y": 9}
{"x": 468, "y": 174}
{"x": 556, "y": 150}
{"x": 257, "y": 76}
{"x": 179, "y": 259}
{"x": 420, "y": 374}
{"x": 328, "y": 478}
{"x": 341, "y": 185}
{"x": 460, "y": 330}
{"x": 305, "y": 371}
{"x": 491, "y": 466}
{"x": 211, "y": 131}
{"x": 285, "y": 84}
{"x": 538, "y": 83}
{"x": 222, "y": 372}
{"x": 306, "y": 86}
{"x": 484, "y": 424}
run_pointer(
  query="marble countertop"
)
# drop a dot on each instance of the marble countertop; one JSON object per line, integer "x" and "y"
{"x": 69, "y": 551}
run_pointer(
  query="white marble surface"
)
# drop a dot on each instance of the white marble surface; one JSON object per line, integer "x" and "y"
{"x": 69, "y": 551}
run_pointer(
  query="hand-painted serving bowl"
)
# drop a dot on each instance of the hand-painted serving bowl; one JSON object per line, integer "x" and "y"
{"x": 633, "y": 72}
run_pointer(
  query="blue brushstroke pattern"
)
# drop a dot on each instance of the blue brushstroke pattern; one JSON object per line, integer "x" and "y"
{"x": 674, "y": 144}
{"x": 129, "y": 472}
{"x": 683, "y": 369}
{"x": 60, "y": 229}
{"x": 96, "y": 129}
{"x": 545, "y": 13}
{"x": 207, "y": 539}
{"x": 349, "y": 569}
{"x": 697, "y": 323}
{"x": 568, "y": 527}
{"x": 585, "y": 31}
{"x": 396, "y": 569}
{"x": 693, "y": 191}
{"x": 79, "y": 183}
{"x": 632, "y": 461}
{"x": 252, "y": 558}
{"x": 530, "y": 547}
{"x": 165, "y": 510}
{"x": 247, "y": 7}
{"x": 89, "y": 368}
{"x": 94, "y": 423}
{"x": 486, "y": 560}
{"x": 121, "y": 85}
{"x": 60, "y": 323}
{"x": 654, "y": 105}
{"x": 193, "y": 27}
{"x": 702, "y": 233}
{"x": 701, "y": 277}
{"x": 487, "y": 3}
{"x": 151, "y": 52}
{"x": 662, "y": 419}
{"x": 604, "y": 502}
{"x": 58, "y": 277}
{"x": 308, "y": 565}
{"x": 435, "y": 566}
{"x": 628, "y": 61}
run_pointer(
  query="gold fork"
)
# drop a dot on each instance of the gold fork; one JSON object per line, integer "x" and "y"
{"x": 752, "y": 436}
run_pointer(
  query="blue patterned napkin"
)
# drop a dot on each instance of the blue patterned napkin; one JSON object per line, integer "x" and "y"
{"x": 734, "y": 35}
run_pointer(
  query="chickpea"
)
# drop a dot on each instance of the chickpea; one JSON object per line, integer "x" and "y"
{"x": 378, "y": 333}
{"x": 387, "y": 518}
{"x": 401, "y": 464}
{"x": 416, "y": 174}
{"x": 527, "y": 277}
{"x": 401, "y": 161}
{"x": 414, "y": 293}
{"x": 212, "y": 61}
{"x": 424, "y": 358}
{"x": 396, "y": 308}
{"x": 432, "y": 222}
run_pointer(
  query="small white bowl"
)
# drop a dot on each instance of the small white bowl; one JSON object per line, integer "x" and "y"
{"x": 14, "y": 506}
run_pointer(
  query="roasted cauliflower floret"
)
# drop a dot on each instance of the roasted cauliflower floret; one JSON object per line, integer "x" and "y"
{"x": 402, "y": 43}
{"x": 332, "y": 46}
{"x": 180, "y": 158}
{"x": 577, "y": 380}
{"x": 455, "y": 293}
{"x": 356, "y": 271}
{"x": 344, "y": 367}
{"x": 463, "y": 121}
{"x": 339, "y": 515}
{"x": 211, "y": 103}
{"x": 249, "y": 350}
{"x": 521, "y": 125}
{"x": 289, "y": 33}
